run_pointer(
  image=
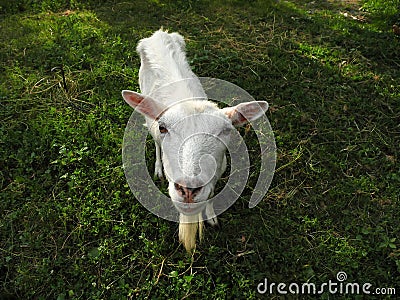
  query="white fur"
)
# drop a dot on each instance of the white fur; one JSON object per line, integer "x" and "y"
{"x": 193, "y": 150}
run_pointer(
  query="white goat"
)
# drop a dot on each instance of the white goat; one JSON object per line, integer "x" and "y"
{"x": 190, "y": 132}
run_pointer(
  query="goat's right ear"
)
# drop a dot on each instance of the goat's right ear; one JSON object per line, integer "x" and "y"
{"x": 246, "y": 111}
{"x": 145, "y": 105}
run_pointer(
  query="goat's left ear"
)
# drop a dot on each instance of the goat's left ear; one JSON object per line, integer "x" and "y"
{"x": 244, "y": 112}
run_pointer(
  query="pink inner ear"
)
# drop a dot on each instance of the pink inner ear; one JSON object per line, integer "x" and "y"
{"x": 234, "y": 115}
{"x": 132, "y": 98}
{"x": 237, "y": 118}
{"x": 244, "y": 112}
{"x": 145, "y": 105}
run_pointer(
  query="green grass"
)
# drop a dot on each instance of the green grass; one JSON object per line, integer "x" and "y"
{"x": 70, "y": 227}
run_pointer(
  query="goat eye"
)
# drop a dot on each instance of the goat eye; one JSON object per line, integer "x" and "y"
{"x": 162, "y": 129}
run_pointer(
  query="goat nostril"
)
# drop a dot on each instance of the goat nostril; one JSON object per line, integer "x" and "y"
{"x": 187, "y": 192}
{"x": 181, "y": 190}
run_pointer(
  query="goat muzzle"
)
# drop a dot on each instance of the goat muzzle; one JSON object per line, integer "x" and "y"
{"x": 187, "y": 193}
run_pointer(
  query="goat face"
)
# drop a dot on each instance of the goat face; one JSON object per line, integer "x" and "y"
{"x": 193, "y": 136}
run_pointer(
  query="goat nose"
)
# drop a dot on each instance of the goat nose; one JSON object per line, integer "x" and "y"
{"x": 186, "y": 192}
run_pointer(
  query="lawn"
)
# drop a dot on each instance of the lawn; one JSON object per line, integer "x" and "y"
{"x": 70, "y": 227}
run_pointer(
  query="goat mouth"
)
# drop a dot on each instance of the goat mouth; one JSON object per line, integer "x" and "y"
{"x": 189, "y": 208}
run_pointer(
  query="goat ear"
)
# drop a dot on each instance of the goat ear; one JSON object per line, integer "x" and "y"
{"x": 247, "y": 111}
{"x": 145, "y": 105}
